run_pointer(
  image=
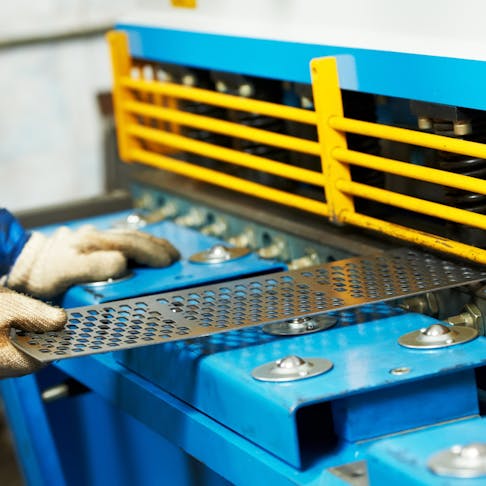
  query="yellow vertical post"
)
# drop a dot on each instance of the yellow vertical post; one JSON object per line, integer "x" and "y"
{"x": 328, "y": 103}
{"x": 121, "y": 65}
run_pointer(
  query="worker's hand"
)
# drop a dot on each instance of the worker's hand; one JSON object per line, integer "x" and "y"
{"x": 47, "y": 266}
{"x": 22, "y": 312}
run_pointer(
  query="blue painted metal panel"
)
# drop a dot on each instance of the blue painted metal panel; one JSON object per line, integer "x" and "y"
{"x": 214, "y": 374}
{"x": 181, "y": 274}
{"x": 402, "y": 460}
{"x": 381, "y": 412}
{"x": 100, "y": 445}
{"x": 36, "y": 450}
{"x": 201, "y": 398}
{"x": 228, "y": 453}
{"x": 371, "y": 71}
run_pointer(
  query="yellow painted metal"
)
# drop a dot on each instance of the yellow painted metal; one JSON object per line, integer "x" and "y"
{"x": 224, "y": 127}
{"x": 328, "y": 103}
{"x": 184, "y": 3}
{"x": 121, "y": 65}
{"x": 229, "y": 181}
{"x": 148, "y": 122}
{"x": 405, "y": 169}
{"x": 224, "y": 100}
{"x": 413, "y": 204}
{"x": 417, "y": 237}
{"x": 443, "y": 178}
{"x": 412, "y": 137}
{"x": 227, "y": 155}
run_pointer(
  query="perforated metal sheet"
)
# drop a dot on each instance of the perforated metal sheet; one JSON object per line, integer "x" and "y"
{"x": 201, "y": 311}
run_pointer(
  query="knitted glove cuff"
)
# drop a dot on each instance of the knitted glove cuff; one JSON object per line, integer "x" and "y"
{"x": 20, "y": 274}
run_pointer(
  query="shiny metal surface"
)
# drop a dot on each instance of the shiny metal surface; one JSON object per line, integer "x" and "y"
{"x": 468, "y": 461}
{"x": 437, "y": 336}
{"x": 300, "y": 325}
{"x": 353, "y": 473}
{"x": 219, "y": 254}
{"x": 253, "y": 301}
{"x": 101, "y": 283}
{"x": 292, "y": 368}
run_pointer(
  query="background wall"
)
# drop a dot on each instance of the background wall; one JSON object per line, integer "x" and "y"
{"x": 50, "y": 130}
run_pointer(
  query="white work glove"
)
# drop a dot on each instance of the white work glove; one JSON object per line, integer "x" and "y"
{"x": 22, "y": 312}
{"x": 47, "y": 266}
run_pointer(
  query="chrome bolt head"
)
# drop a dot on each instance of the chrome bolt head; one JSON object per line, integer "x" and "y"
{"x": 437, "y": 336}
{"x": 290, "y": 362}
{"x": 291, "y": 368}
{"x": 300, "y": 325}
{"x": 435, "y": 330}
{"x": 460, "y": 461}
{"x": 218, "y": 254}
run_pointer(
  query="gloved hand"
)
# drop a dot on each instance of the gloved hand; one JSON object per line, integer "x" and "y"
{"x": 47, "y": 266}
{"x": 28, "y": 314}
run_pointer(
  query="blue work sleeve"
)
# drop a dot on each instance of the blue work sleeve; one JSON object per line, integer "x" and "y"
{"x": 13, "y": 237}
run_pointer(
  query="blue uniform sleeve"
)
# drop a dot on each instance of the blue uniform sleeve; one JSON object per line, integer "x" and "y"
{"x": 13, "y": 238}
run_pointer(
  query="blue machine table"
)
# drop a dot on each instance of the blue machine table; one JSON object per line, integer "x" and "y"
{"x": 192, "y": 412}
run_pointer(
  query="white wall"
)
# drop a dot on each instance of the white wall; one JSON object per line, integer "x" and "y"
{"x": 50, "y": 134}
{"x": 436, "y": 27}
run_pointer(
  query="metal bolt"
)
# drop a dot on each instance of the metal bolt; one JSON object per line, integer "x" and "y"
{"x": 221, "y": 87}
{"x": 437, "y": 336}
{"x": 471, "y": 317}
{"x": 306, "y": 102}
{"x": 463, "y": 319}
{"x": 218, "y": 254}
{"x": 435, "y": 330}
{"x": 300, "y": 325}
{"x": 145, "y": 201}
{"x": 290, "y": 362}
{"x": 218, "y": 251}
{"x": 424, "y": 123}
{"x": 168, "y": 210}
{"x": 134, "y": 220}
{"x": 402, "y": 370}
{"x": 291, "y": 368}
{"x": 462, "y": 128}
{"x": 468, "y": 461}
{"x": 163, "y": 75}
{"x": 274, "y": 250}
{"x": 148, "y": 73}
{"x": 218, "y": 228}
{"x": 101, "y": 283}
{"x": 245, "y": 90}
{"x": 244, "y": 239}
{"x": 422, "y": 304}
{"x": 312, "y": 258}
{"x": 193, "y": 219}
{"x": 55, "y": 393}
{"x": 188, "y": 80}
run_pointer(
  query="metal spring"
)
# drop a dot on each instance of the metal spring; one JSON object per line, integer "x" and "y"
{"x": 256, "y": 88}
{"x": 465, "y": 200}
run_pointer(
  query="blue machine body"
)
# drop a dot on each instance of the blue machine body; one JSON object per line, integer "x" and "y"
{"x": 190, "y": 413}
{"x": 214, "y": 376}
{"x": 402, "y": 460}
{"x": 370, "y": 71}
